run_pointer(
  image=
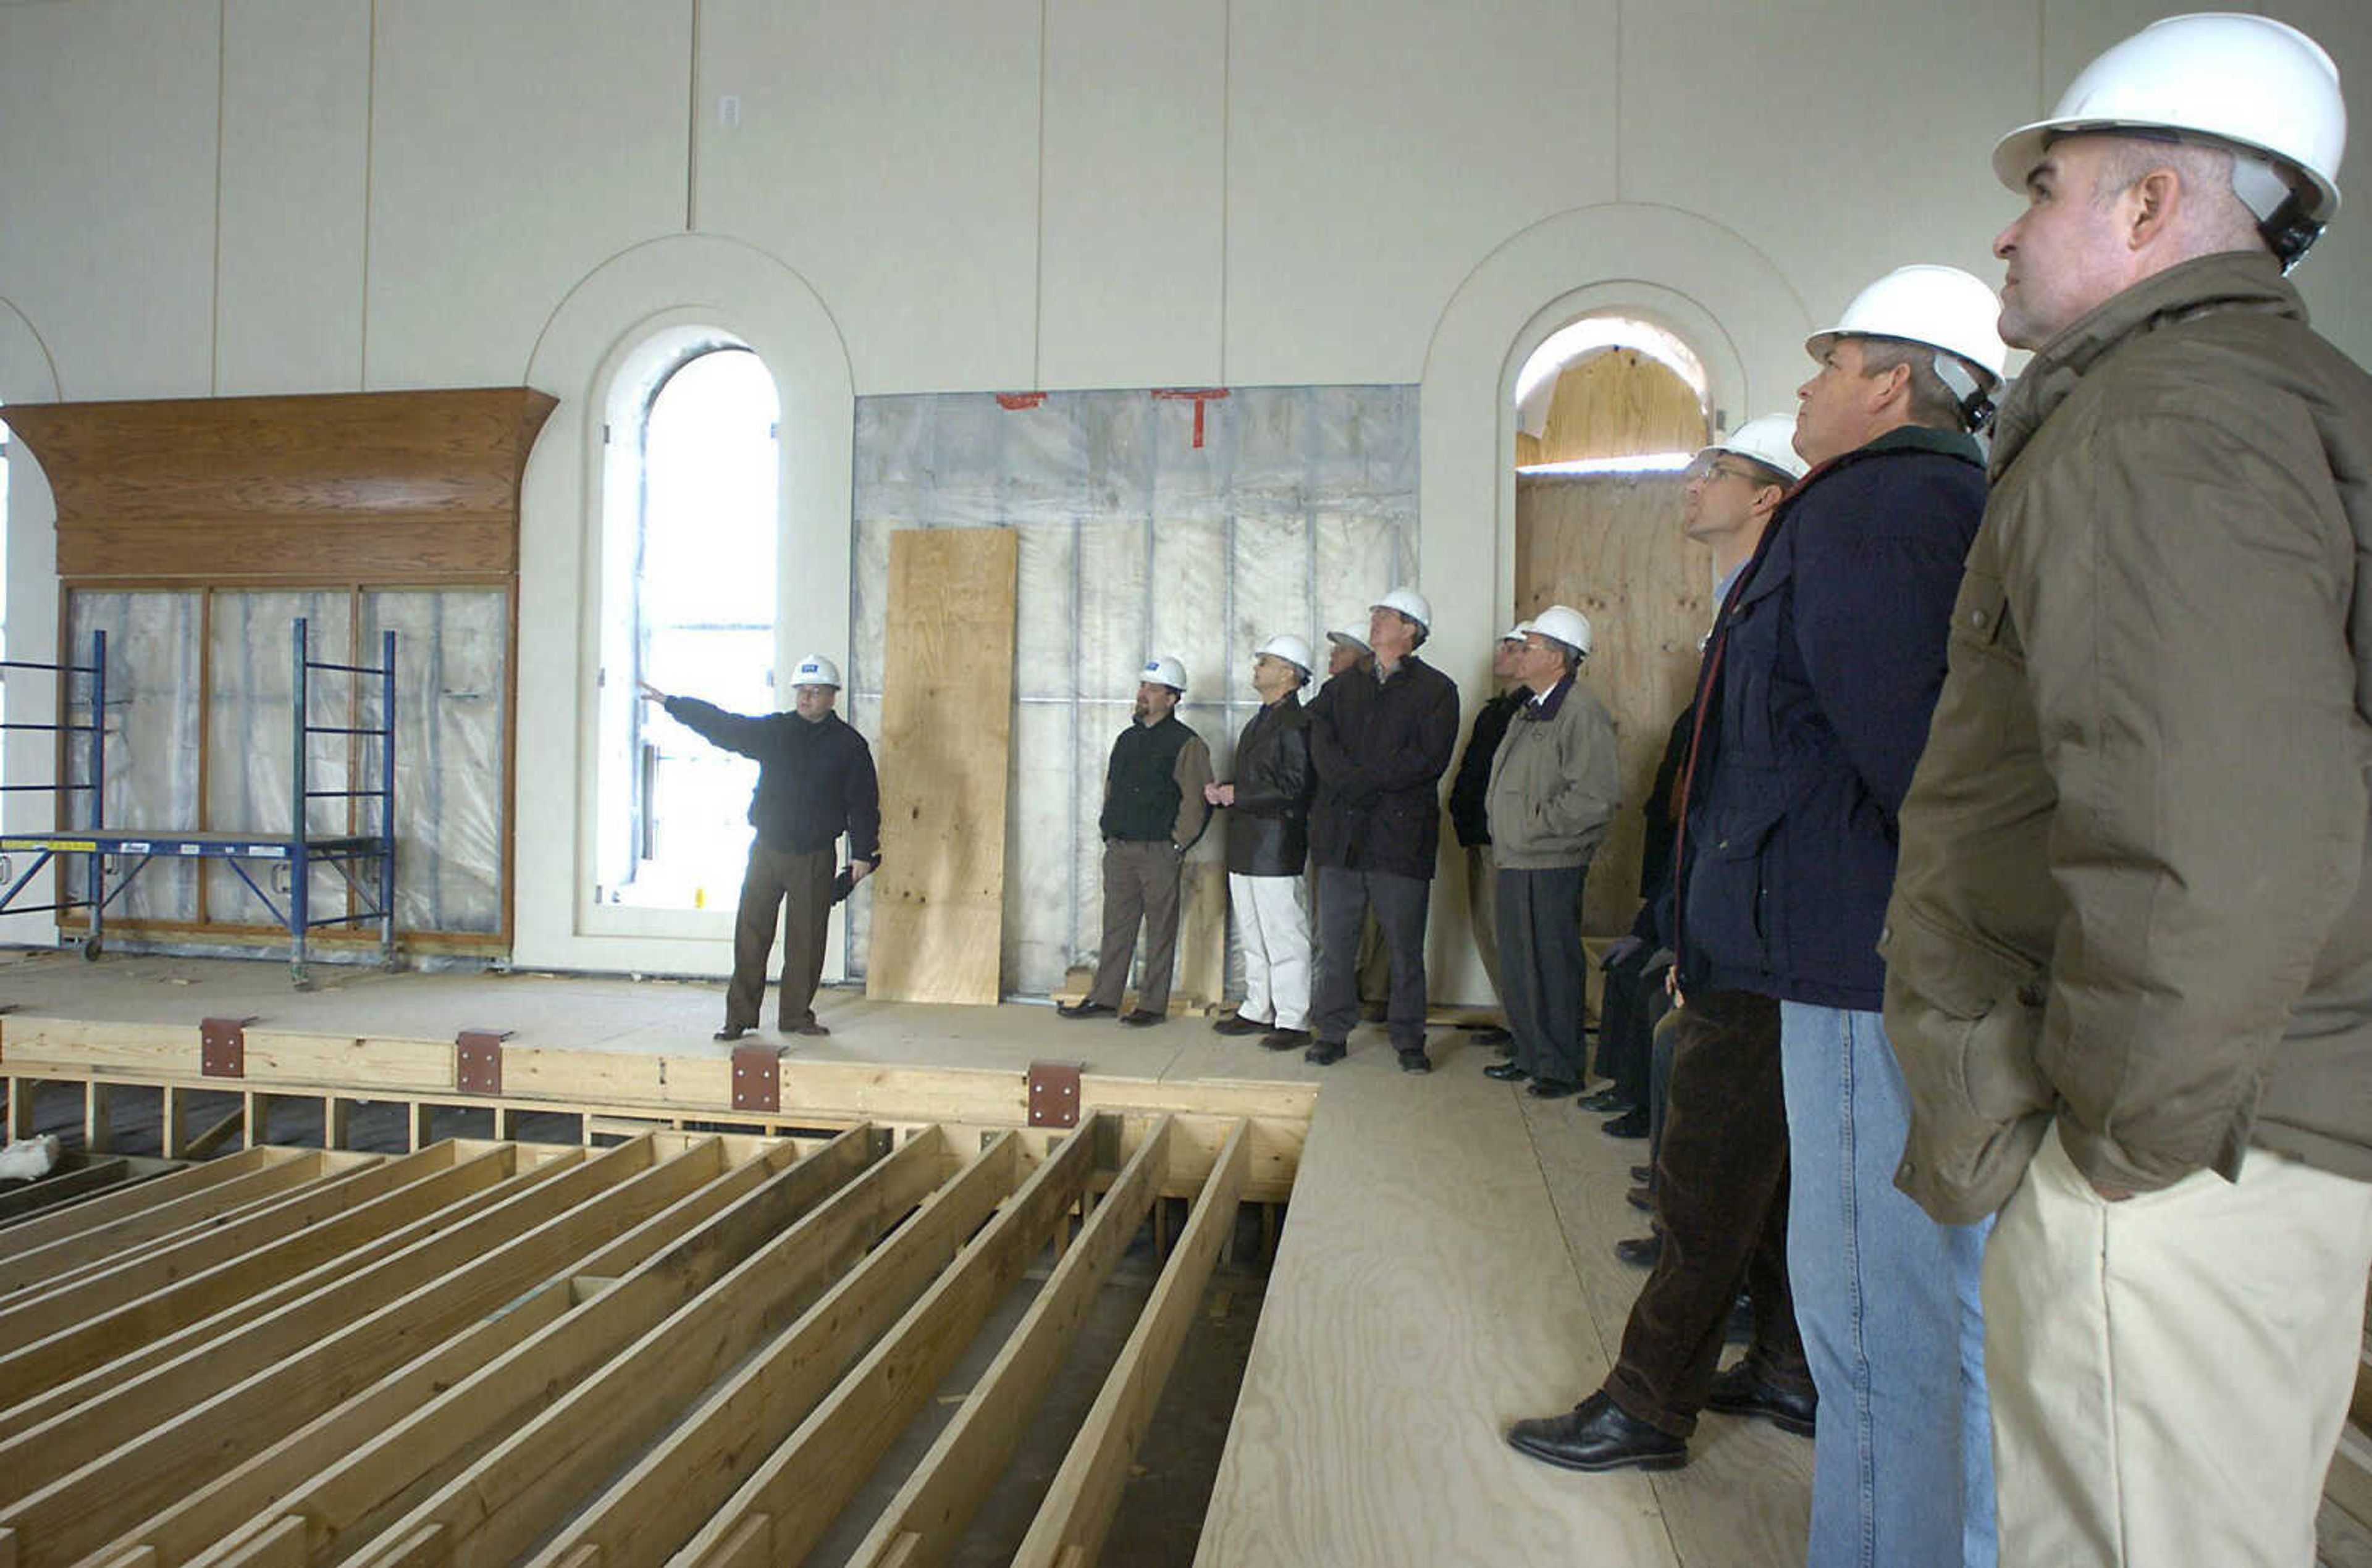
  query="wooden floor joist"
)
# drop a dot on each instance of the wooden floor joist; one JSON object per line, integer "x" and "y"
{"x": 686, "y": 1347}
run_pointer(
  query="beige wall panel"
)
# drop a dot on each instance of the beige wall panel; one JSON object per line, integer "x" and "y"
{"x": 1377, "y": 152}
{"x": 107, "y": 189}
{"x": 1135, "y": 164}
{"x": 1839, "y": 145}
{"x": 515, "y": 147}
{"x": 889, "y": 154}
{"x": 2337, "y": 277}
{"x": 295, "y": 121}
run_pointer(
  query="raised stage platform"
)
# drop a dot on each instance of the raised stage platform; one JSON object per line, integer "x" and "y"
{"x": 1443, "y": 1268}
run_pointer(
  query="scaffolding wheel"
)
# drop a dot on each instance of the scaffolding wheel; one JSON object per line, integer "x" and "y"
{"x": 90, "y": 949}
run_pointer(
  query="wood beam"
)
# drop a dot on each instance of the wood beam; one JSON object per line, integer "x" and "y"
{"x": 925, "y": 1522}
{"x": 804, "y": 1484}
{"x": 1078, "y": 1507}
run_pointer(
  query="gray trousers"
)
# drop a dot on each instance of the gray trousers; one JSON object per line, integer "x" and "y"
{"x": 1540, "y": 969}
{"x": 1344, "y": 898}
{"x": 799, "y": 885}
{"x": 1140, "y": 886}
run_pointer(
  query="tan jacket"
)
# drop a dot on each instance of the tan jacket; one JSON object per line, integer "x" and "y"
{"x": 1555, "y": 781}
{"x": 2132, "y": 889}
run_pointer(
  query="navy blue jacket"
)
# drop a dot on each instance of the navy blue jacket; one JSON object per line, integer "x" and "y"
{"x": 1830, "y": 654}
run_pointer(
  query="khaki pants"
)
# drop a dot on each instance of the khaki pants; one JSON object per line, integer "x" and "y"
{"x": 800, "y": 884}
{"x": 2169, "y": 1373}
{"x": 1140, "y": 884}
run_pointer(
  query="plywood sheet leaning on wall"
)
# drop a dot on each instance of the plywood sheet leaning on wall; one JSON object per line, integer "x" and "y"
{"x": 1611, "y": 546}
{"x": 947, "y": 715}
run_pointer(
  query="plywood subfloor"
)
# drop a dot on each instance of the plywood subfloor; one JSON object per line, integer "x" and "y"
{"x": 1443, "y": 1270}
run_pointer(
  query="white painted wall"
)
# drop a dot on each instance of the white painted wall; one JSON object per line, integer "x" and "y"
{"x": 231, "y": 196}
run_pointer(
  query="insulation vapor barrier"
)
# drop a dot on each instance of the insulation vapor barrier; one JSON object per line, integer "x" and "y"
{"x": 1148, "y": 523}
{"x": 236, "y": 732}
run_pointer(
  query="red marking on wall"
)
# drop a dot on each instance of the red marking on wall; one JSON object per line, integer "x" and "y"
{"x": 1197, "y": 396}
{"x": 1019, "y": 399}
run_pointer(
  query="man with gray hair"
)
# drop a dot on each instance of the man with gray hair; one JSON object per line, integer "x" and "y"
{"x": 1381, "y": 742}
{"x": 1555, "y": 781}
{"x": 2129, "y": 953}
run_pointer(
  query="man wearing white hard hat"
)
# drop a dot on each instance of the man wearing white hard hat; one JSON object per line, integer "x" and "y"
{"x": 1268, "y": 845}
{"x": 2129, "y": 959}
{"x": 1470, "y": 811}
{"x": 1381, "y": 742}
{"x": 1812, "y": 705}
{"x": 1153, "y": 810}
{"x": 1720, "y": 1173}
{"x": 815, "y": 783}
{"x": 1555, "y": 781}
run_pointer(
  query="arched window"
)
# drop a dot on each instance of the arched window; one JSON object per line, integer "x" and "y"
{"x": 689, "y": 605}
{"x": 1610, "y": 393}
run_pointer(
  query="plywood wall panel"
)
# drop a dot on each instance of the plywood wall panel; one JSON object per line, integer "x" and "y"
{"x": 1619, "y": 404}
{"x": 1611, "y": 546}
{"x": 946, "y": 714}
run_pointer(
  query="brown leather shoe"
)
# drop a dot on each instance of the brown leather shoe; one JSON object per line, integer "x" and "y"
{"x": 1284, "y": 1039}
{"x": 1237, "y": 1023}
{"x": 1144, "y": 1018}
{"x": 813, "y": 1027}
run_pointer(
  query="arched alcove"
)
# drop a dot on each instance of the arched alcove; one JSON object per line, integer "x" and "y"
{"x": 1688, "y": 276}
{"x": 682, "y": 282}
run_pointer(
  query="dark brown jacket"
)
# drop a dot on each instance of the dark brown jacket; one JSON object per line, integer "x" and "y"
{"x": 2132, "y": 889}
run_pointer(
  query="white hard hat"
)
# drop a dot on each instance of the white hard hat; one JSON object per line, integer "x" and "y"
{"x": 2251, "y": 84}
{"x": 1349, "y": 640}
{"x": 1409, "y": 602}
{"x": 1163, "y": 670}
{"x": 1769, "y": 440}
{"x": 1516, "y": 634}
{"x": 1942, "y": 308}
{"x": 1293, "y": 650}
{"x": 1562, "y": 624}
{"x": 816, "y": 670}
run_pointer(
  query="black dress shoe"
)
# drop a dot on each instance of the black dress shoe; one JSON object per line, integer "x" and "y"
{"x": 731, "y": 1031}
{"x": 1505, "y": 1073}
{"x": 1640, "y": 1198}
{"x": 1085, "y": 1009}
{"x": 1284, "y": 1039}
{"x": 1494, "y": 1035}
{"x": 1610, "y": 1101}
{"x": 1631, "y": 1123}
{"x": 1549, "y": 1088}
{"x": 1640, "y": 1252}
{"x": 1237, "y": 1023}
{"x": 1325, "y": 1052}
{"x": 1596, "y": 1436}
{"x": 1741, "y": 1391}
{"x": 1144, "y": 1018}
{"x": 1414, "y": 1060}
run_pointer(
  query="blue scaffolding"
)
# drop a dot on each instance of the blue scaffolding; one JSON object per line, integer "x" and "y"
{"x": 365, "y": 861}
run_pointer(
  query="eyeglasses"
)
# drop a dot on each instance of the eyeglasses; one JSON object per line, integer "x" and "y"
{"x": 1705, "y": 470}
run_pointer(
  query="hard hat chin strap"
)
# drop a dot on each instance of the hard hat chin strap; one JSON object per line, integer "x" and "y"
{"x": 2280, "y": 208}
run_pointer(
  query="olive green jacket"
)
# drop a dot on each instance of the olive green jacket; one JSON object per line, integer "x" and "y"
{"x": 2131, "y": 891}
{"x": 1555, "y": 781}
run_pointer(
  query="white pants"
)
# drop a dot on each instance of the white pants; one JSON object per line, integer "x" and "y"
{"x": 1272, "y": 934}
{"x": 2169, "y": 1373}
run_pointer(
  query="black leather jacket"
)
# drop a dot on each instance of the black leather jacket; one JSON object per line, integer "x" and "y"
{"x": 1268, "y": 831}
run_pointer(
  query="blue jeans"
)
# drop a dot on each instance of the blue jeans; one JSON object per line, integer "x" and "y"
{"x": 1888, "y": 1301}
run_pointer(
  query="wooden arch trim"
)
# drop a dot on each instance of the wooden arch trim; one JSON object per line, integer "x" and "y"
{"x": 413, "y": 486}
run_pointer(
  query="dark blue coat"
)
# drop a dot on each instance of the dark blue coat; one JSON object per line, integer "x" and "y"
{"x": 1832, "y": 655}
